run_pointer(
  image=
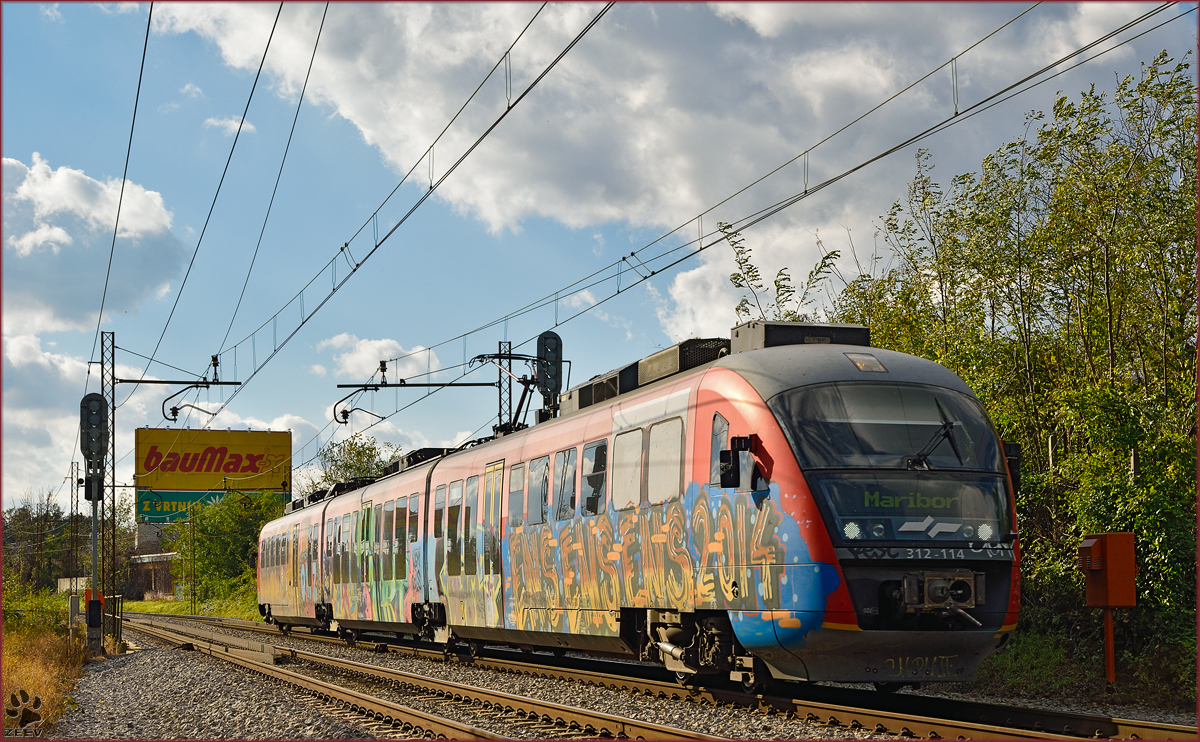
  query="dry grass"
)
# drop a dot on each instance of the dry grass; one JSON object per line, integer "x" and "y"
{"x": 40, "y": 659}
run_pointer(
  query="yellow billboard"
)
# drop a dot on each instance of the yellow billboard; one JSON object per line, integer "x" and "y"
{"x": 212, "y": 460}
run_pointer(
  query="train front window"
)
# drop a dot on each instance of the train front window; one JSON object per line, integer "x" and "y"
{"x": 898, "y": 462}
{"x": 885, "y": 425}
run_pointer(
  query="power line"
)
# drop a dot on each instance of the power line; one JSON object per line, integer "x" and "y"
{"x": 433, "y": 187}
{"x": 121, "y": 197}
{"x": 427, "y": 153}
{"x": 279, "y": 176}
{"x": 567, "y": 290}
{"x": 765, "y": 213}
{"x": 212, "y": 206}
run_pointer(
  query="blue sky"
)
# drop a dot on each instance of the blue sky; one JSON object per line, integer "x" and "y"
{"x": 660, "y": 112}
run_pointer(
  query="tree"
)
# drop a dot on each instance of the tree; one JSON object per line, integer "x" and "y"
{"x": 358, "y": 456}
{"x": 1059, "y": 281}
{"x": 786, "y": 305}
{"x": 226, "y": 541}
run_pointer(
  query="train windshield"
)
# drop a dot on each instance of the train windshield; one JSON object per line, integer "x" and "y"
{"x": 886, "y": 426}
{"x": 894, "y": 462}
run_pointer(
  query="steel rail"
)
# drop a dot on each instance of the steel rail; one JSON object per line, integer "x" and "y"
{"x": 593, "y": 723}
{"x": 574, "y": 719}
{"x": 409, "y": 720}
{"x": 922, "y": 716}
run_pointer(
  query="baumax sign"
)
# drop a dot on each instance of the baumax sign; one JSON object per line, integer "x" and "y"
{"x": 212, "y": 460}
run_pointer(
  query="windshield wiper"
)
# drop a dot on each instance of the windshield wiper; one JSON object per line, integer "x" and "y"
{"x": 944, "y": 432}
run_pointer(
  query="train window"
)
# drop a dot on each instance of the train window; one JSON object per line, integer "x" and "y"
{"x": 470, "y": 516}
{"x": 564, "y": 484}
{"x": 539, "y": 483}
{"x": 397, "y": 540}
{"x": 627, "y": 469}
{"x": 389, "y": 517}
{"x": 330, "y": 551}
{"x": 595, "y": 464}
{"x": 357, "y": 561}
{"x": 439, "y": 503}
{"x": 493, "y": 485}
{"x": 376, "y": 542}
{"x": 414, "y": 506}
{"x": 453, "y": 537}
{"x": 720, "y": 442}
{"x": 664, "y": 478}
{"x": 516, "y": 495}
{"x": 344, "y": 535}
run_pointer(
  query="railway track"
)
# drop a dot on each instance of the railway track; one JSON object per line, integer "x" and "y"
{"x": 906, "y": 715}
{"x": 543, "y": 718}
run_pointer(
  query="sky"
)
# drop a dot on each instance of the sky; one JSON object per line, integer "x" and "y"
{"x": 609, "y": 163}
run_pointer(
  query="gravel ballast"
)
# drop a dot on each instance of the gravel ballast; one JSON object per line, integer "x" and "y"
{"x": 171, "y": 694}
{"x": 159, "y": 693}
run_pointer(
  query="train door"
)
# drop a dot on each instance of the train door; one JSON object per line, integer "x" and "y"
{"x": 434, "y": 548}
{"x": 491, "y": 579}
{"x": 294, "y": 570}
{"x": 377, "y": 601}
{"x": 363, "y": 563}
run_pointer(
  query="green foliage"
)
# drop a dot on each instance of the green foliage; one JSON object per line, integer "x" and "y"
{"x": 357, "y": 456}
{"x": 1059, "y": 281}
{"x": 225, "y": 534}
{"x": 787, "y": 305}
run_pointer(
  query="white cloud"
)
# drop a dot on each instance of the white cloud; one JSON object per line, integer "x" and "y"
{"x": 192, "y": 91}
{"x": 67, "y": 191}
{"x": 645, "y": 126}
{"x": 58, "y": 227}
{"x": 359, "y": 359}
{"x": 318, "y": 370}
{"x": 44, "y": 234}
{"x": 229, "y": 126}
{"x": 118, "y": 8}
{"x": 52, "y": 13}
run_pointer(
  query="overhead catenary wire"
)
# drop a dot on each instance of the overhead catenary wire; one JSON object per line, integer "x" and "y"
{"x": 278, "y": 176}
{"x": 117, "y": 219}
{"x": 567, "y": 290}
{"x": 212, "y": 206}
{"x": 372, "y": 219}
{"x": 756, "y": 217}
{"x": 750, "y": 220}
{"x": 358, "y": 264}
{"x": 121, "y": 196}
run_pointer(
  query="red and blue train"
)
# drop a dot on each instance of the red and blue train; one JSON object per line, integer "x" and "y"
{"x": 789, "y": 503}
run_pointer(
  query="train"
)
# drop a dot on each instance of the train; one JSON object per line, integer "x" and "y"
{"x": 789, "y": 503}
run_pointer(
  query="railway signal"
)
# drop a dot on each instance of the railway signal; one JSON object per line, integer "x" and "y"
{"x": 93, "y": 442}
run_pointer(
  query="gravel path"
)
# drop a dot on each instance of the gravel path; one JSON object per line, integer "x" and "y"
{"x": 159, "y": 693}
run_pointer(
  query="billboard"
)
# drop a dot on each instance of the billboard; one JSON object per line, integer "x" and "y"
{"x": 212, "y": 460}
{"x": 163, "y": 506}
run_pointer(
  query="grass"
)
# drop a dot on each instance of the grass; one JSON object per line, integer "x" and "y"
{"x": 242, "y": 603}
{"x": 38, "y": 656}
{"x": 1036, "y": 665}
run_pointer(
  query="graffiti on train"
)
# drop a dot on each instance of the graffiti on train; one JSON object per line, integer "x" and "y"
{"x": 710, "y": 549}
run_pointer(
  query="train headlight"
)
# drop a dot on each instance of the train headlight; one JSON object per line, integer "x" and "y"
{"x": 878, "y": 530}
{"x": 852, "y": 530}
{"x": 985, "y": 532}
{"x": 968, "y": 531}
